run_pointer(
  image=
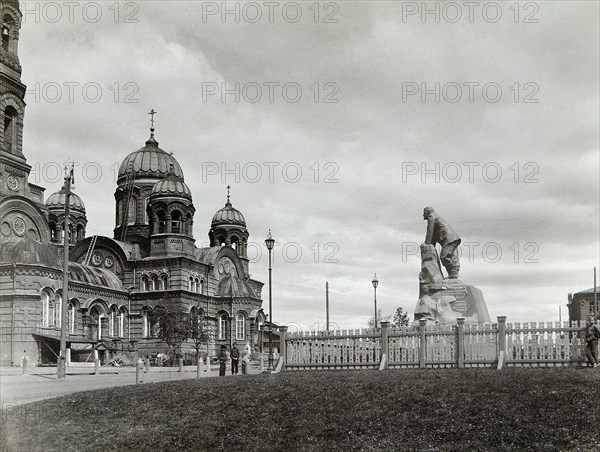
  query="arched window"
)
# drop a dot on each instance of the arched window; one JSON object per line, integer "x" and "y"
{"x": 45, "y": 308}
{"x": 10, "y": 128}
{"x": 191, "y": 284}
{"x": 155, "y": 321}
{"x": 57, "y": 309}
{"x": 223, "y": 326}
{"x": 198, "y": 286}
{"x": 145, "y": 212}
{"x": 80, "y": 232}
{"x": 240, "y": 327}
{"x": 113, "y": 321}
{"x": 95, "y": 323}
{"x": 234, "y": 242}
{"x": 146, "y": 314}
{"x": 71, "y": 319}
{"x": 201, "y": 288}
{"x": 176, "y": 222}
{"x": 162, "y": 222}
{"x": 5, "y": 37}
{"x": 122, "y": 320}
{"x": 53, "y": 232}
{"x": 164, "y": 282}
{"x": 132, "y": 211}
{"x": 155, "y": 283}
{"x": 7, "y": 27}
{"x": 146, "y": 284}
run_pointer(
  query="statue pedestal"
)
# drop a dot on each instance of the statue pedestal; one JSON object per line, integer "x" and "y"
{"x": 444, "y": 300}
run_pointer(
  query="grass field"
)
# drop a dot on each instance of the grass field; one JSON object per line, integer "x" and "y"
{"x": 445, "y": 409}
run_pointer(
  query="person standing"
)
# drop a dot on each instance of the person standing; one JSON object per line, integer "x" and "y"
{"x": 235, "y": 358}
{"x": 592, "y": 334}
{"x": 222, "y": 360}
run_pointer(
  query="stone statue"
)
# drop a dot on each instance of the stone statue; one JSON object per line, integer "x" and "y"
{"x": 443, "y": 300}
{"x": 439, "y": 231}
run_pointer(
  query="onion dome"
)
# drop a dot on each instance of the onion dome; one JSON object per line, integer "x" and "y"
{"x": 150, "y": 161}
{"x": 172, "y": 186}
{"x": 228, "y": 215}
{"x": 56, "y": 202}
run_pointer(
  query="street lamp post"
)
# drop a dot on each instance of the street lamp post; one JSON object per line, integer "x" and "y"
{"x": 61, "y": 364}
{"x": 375, "y": 283}
{"x": 270, "y": 242}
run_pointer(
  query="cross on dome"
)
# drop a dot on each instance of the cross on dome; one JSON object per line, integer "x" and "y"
{"x": 152, "y": 113}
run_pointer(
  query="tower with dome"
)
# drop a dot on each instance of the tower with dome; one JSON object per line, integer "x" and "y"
{"x": 118, "y": 282}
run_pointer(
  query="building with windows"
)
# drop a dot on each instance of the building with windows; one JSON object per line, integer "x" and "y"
{"x": 116, "y": 284}
{"x": 583, "y": 304}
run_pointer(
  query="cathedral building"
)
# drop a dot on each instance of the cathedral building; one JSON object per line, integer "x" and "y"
{"x": 116, "y": 284}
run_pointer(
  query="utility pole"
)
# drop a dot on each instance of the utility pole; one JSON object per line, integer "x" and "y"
{"x": 62, "y": 358}
{"x": 595, "y": 293}
{"x": 327, "y": 306}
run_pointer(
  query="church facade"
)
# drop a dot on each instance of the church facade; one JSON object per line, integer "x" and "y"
{"x": 116, "y": 284}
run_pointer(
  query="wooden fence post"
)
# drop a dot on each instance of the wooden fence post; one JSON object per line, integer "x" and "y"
{"x": 460, "y": 342}
{"x": 501, "y": 341}
{"x": 422, "y": 344}
{"x": 282, "y": 346}
{"x": 383, "y": 361}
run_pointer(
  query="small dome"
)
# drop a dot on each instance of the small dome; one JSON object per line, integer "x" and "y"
{"x": 24, "y": 250}
{"x": 232, "y": 286}
{"x": 171, "y": 186}
{"x": 150, "y": 161}
{"x": 94, "y": 276}
{"x": 56, "y": 202}
{"x": 228, "y": 215}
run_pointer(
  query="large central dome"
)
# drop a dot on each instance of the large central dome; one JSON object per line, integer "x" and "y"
{"x": 150, "y": 161}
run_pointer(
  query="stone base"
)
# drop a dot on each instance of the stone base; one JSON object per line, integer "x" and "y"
{"x": 445, "y": 302}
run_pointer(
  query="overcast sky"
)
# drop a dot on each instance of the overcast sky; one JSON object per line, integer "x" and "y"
{"x": 503, "y": 143}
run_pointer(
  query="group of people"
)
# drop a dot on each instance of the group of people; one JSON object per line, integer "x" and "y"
{"x": 235, "y": 359}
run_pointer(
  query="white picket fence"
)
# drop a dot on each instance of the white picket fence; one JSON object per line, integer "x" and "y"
{"x": 420, "y": 346}
{"x": 350, "y": 349}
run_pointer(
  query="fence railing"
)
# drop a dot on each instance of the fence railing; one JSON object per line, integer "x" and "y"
{"x": 420, "y": 346}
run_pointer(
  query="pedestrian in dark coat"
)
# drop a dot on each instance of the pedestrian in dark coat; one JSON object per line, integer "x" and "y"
{"x": 235, "y": 359}
{"x": 222, "y": 360}
{"x": 592, "y": 334}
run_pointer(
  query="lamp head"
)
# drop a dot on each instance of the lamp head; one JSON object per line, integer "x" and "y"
{"x": 270, "y": 241}
{"x": 375, "y": 281}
